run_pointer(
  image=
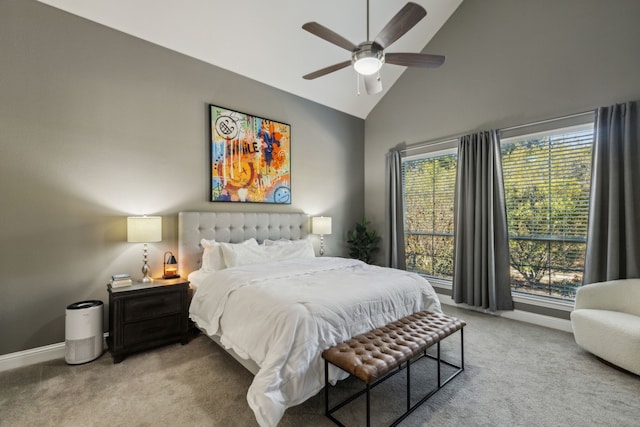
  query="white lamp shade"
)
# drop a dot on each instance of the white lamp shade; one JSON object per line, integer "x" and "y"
{"x": 144, "y": 229}
{"x": 321, "y": 225}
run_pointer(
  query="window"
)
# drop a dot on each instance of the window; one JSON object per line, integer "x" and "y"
{"x": 429, "y": 186}
{"x": 547, "y": 178}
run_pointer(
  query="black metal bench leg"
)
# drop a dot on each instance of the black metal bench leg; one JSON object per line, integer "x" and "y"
{"x": 439, "y": 380}
{"x": 462, "y": 349}
{"x": 408, "y": 385}
{"x": 326, "y": 387}
{"x": 368, "y": 405}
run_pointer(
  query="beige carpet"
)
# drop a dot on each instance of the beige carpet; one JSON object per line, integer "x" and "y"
{"x": 516, "y": 375}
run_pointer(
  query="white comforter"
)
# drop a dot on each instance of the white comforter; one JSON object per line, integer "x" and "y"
{"x": 284, "y": 314}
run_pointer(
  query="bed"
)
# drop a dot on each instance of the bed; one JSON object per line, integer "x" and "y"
{"x": 299, "y": 304}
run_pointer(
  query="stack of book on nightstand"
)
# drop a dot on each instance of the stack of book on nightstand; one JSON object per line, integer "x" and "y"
{"x": 120, "y": 280}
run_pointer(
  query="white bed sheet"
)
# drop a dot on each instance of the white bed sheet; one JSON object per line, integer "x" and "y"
{"x": 282, "y": 315}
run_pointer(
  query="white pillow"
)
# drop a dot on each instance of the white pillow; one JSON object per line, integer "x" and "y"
{"x": 236, "y": 255}
{"x": 212, "y": 258}
{"x": 268, "y": 242}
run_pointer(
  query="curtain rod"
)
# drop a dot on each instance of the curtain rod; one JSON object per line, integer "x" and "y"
{"x": 453, "y": 139}
{"x": 428, "y": 144}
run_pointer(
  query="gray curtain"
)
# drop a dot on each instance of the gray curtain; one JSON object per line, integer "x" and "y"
{"x": 481, "y": 251}
{"x": 394, "y": 216}
{"x": 613, "y": 237}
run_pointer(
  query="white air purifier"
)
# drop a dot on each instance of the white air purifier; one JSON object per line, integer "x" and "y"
{"x": 83, "y": 332}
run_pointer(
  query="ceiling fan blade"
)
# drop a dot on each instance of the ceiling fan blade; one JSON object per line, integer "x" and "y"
{"x": 423, "y": 60}
{"x": 328, "y": 35}
{"x": 404, "y": 20}
{"x": 373, "y": 84}
{"x": 326, "y": 70}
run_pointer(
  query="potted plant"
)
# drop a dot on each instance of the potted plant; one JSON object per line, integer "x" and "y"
{"x": 363, "y": 244}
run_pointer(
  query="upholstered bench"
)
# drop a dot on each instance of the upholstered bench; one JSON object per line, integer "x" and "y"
{"x": 375, "y": 356}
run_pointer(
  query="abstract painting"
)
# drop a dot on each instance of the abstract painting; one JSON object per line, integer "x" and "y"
{"x": 250, "y": 158}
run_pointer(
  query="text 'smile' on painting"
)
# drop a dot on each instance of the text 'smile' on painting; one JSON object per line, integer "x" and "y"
{"x": 250, "y": 158}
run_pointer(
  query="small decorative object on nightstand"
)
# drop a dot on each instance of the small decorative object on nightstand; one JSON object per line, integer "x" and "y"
{"x": 170, "y": 266}
{"x": 146, "y": 315}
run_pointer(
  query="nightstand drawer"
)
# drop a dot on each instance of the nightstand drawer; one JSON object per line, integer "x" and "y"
{"x": 152, "y": 306}
{"x": 150, "y": 330}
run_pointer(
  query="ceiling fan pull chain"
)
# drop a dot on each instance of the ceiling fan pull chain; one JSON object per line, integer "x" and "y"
{"x": 358, "y": 84}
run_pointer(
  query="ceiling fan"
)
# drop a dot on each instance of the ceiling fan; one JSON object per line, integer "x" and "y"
{"x": 367, "y": 57}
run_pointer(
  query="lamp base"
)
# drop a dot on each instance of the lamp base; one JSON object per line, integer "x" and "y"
{"x": 146, "y": 278}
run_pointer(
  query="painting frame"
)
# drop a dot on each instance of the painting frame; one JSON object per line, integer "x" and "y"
{"x": 249, "y": 158}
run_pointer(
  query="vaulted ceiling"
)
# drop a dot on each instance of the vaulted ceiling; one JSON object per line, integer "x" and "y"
{"x": 264, "y": 40}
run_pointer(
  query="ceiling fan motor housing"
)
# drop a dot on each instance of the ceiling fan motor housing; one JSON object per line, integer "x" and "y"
{"x": 367, "y": 58}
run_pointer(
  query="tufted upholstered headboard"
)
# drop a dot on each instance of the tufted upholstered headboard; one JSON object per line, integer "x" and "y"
{"x": 233, "y": 227}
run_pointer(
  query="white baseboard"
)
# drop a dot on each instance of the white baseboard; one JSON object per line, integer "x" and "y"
{"x": 523, "y": 316}
{"x": 32, "y": 356}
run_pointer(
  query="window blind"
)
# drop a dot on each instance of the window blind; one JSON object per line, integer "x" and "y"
{"x": 547, "y": 179}
{"x": 428, "y": 191}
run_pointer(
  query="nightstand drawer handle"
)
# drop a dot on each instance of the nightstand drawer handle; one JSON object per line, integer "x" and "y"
{"x": 153, "y": 330}
{"x": 156, "y": 305}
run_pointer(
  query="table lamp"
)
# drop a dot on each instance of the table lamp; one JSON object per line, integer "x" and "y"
{"x": 144, "y": 229}
{"x": 321, "y": 225}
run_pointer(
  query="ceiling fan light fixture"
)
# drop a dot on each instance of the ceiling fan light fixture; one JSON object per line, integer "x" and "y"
{"x": 367, "y": 62}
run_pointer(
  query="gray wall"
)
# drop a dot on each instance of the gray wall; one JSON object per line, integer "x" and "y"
{"x": 508, "y": 62}
{"x": 96, "y": 125}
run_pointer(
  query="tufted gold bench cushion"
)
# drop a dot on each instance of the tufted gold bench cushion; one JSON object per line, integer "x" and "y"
{"x": 372, "y": 355}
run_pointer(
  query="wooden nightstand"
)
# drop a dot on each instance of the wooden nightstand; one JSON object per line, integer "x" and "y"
{"x": 146, "y": 315}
